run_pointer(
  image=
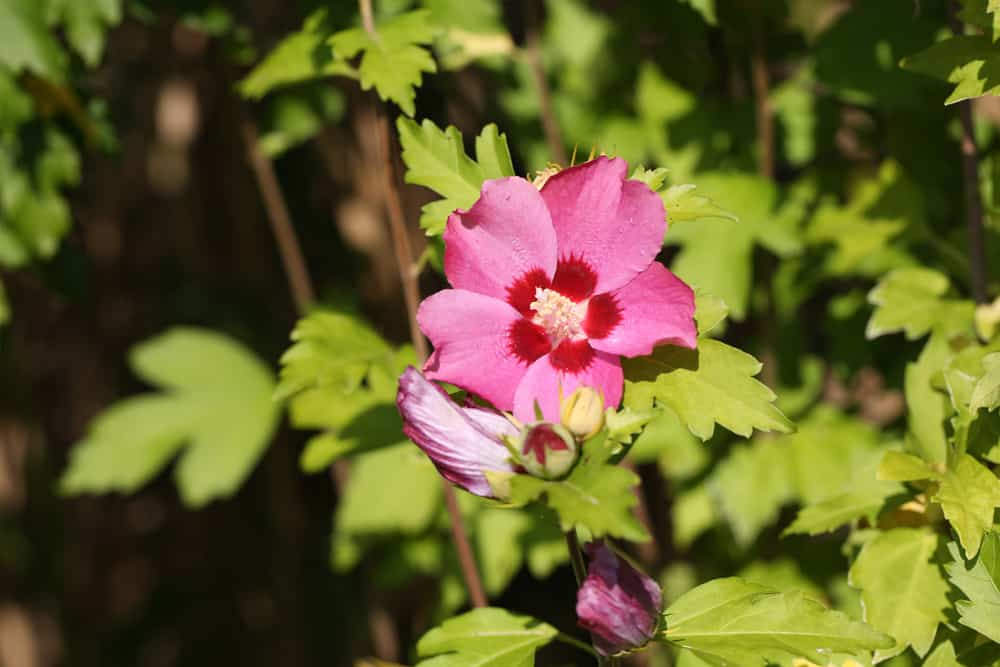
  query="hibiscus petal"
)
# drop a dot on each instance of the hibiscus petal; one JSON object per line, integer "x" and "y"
{"x": 655, "y": 308}
{"x": 614, "y": 225}
{"x": 543, "y": 382}
{"x": 453, "y": 439}
{"x": 504, "y": 236}
{"x": 470, "y": 333}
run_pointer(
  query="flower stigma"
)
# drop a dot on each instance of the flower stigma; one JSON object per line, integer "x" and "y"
{"x": 560, "y": 317}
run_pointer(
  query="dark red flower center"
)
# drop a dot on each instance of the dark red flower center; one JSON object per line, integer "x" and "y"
{"x": 560, "y": 315}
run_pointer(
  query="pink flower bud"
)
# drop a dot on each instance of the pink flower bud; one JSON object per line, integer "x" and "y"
{"x": 620, "y": 606}
{"x": 548, "y": 450}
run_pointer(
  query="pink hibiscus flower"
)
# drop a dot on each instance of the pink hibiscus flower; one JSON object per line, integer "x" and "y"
{"x": 552, "y": 287}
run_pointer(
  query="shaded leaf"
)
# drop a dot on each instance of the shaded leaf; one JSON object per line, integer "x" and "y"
{"x": 487, "y": 637}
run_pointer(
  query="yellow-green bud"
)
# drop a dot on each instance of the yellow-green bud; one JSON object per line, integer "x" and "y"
{"x": 988, "y": 320}
{"x": 548, "y": 450}
{"x": 583, "y": 412}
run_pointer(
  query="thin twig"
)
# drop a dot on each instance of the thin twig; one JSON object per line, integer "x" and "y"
{"x": 281, "y": 222}
{"x": 648, "y": 551}
{"x": 533, "y": 51}
{"x": 411, "y": 294}
{"x": 762, "y": 102}
{"x": 573, "y": 641}
{"x": 978, "y": 277}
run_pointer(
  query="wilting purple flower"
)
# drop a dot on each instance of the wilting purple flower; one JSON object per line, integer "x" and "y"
{"x": 619, "y": 605}
{"x": 463, "y": 442}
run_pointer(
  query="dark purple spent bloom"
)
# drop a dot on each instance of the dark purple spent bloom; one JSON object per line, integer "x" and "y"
{"x": 619, "y": 605}
{"x": 462, "y": 442}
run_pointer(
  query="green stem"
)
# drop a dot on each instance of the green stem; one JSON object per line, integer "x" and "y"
{"x": 573, "y": 641}
{"x": 576, "y": 557}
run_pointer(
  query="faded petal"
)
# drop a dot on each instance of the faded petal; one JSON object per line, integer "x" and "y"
{"x": 506, "y": 235}
{"x": 472, "y": 347}
{"x": 655, "y": 308}
{"x": 545, "y": 379}
{"x": 452, "y": 436}
{"x": 614, "y": 225}
{"x": 619, "y": 605}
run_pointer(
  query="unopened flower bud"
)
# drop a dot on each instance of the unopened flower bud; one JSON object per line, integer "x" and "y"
{"x": 548, "y": 450}
{"x": 583, "y": 412}
{"x": 619, "y": 605}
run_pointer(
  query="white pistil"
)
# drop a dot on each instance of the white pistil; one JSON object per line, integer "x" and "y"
{"x": 560, "y": 316}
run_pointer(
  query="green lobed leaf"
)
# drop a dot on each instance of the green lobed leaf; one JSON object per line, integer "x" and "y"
{"x": 912, "y": 300}
{"x": 436, "y": 159}
{"x": 26, "y": 43}
{"x": 986, "y": 393}
{"x": 926, "y": 407}
{"x": 486, "y": 637}
{"x": 731, "y": 621}
{"x": 330, "y": 350}
{"x": 971, "y": 62}
{"x": 86, "y": 23}
{"x": 217, "y": 407}
{"x": 712, "y": 384}
{"x": 832, "y": 513}
{"x": 596, "y": 495}
{"x": 300, "y": 56}
{"x": 979, "y": 579}
{"x": 903, "y": 591}
{"x": 393, "y": 62}
{"x": 969, "y": 494}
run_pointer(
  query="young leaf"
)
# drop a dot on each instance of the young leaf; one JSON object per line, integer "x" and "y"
{"x": 436, "y": 159}
{"x": 394, "y": 60}
{"x": 900, "y": 467}
{"x": 487, "y": 637}
{"x": 712, "y": 384}
{"x": 26, "y": 42}
{"x": 832, "y": 513}
{"x": 926, "y": 406}
{"x": 911, "y": 300}
{"x": 217, "y": 400}
{"x": 969, "y": 494}
{"x": 682, "y": 204}
{"x": 979, "y": 580}
{"x": 903, "y": 592}
{"x": 330, "y": 350}
{"x": 734, "y": 622}
{"x": 301, "y": 56}
{"x": 986, "y": 393}
{"x": 595, "y": 495}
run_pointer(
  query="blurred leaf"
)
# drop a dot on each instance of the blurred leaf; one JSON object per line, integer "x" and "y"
{"x": 716, "y": 253}
{"x": 394, "y": 61}
{"x": 692, "y": 514}
{"x": 392, "y": 490}
{"x": 498, "y": 535}
{"x": 782, "y": 575}
{"x": 795, "y": 108}
{"x": 839, "y": 510}
{"x": 709, "y": 385}
{"x": 979, "y": 579}
{"x": 969, "y": 494}
{"x": 436, "y": 159}
{"x": 709, "y": 311}
{"x": 986, "y": 393}
{"x": 217, "y": 400}
{"x": 486, "y": 637}
{"x": 971, "y": 62}
{"x": 751, "y": 485}
{"x": 301, "y": 56}
{"x": 26, "y": 41}
{"x": 904, "y": 592}
{"x": 900, "y": 467}
{"x": 596, "y": 495}
{"x": 665, "y": 440}
{"x": 878, "y": 210}
{"x": 86, "y": 22}
{"x": 704, "y": 7}
{"x": 734, "y": 622}
{"x": 912, "y": 300}
{"x": 295, "y": 116}
{"x": 683, "y": 204}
